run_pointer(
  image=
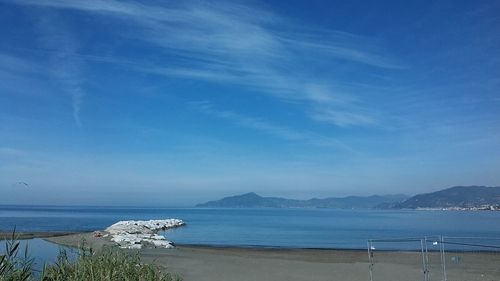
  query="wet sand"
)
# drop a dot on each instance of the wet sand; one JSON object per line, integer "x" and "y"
{"x": 258, "y": 264}
{"x": 31, "y": 235}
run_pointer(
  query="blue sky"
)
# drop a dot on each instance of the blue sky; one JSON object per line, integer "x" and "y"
{"x": 173, "y": 103}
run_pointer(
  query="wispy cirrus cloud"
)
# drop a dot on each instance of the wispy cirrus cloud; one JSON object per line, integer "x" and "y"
{"x": 63, "y": 65}
{"x": 268, "y": 128}
{"x": 343, "y": 118}
{"x": 250, "y": 46}
{"x": 10, "y": 151}
{"x": 13, "y": 64}
{"x": 21, "y": 75}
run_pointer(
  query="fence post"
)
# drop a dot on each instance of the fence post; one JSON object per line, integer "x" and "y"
{"x": 427, "y": 271}
{"x": 443, "y": 258}
{"x": 370, "y": 259}
{"x": 424, "y": 263}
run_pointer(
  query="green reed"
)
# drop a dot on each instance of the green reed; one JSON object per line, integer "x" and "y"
{"x": 107, "y": 264}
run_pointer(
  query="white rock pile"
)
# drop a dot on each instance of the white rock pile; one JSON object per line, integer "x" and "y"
{"x": 136, "y": 234}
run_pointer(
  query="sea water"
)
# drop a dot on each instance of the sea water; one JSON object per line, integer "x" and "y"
{"x": 41, "y": 252}
{"x": 290, "y": 228}
{"x": 287, "y": 228}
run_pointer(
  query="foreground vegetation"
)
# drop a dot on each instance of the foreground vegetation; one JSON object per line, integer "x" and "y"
{"x": 108, "y": 264}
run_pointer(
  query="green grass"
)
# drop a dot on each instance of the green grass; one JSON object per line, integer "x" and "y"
{"x": 108, "y": 264}
{"x": 13, "y": 266}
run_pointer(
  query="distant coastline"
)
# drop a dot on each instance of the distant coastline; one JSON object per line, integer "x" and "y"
{"x": 253, "y": 200}
{"x": 458, "y": 198}
{"x": 480, "y": 208}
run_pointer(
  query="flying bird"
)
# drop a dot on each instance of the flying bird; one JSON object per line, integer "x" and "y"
{"x": 21, "y": 183}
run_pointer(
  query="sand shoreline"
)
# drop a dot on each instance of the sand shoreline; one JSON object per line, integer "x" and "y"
{"x": 219, "y": 263}
{"x": 4, "y": 235}
{"x": 213, "y": 263}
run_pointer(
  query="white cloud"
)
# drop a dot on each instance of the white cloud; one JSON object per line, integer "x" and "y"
{"x": 231, "y": 43}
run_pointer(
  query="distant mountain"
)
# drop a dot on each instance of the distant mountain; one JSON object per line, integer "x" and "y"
{"x": 466, "y": 197}
{"x": 252, "y": 200}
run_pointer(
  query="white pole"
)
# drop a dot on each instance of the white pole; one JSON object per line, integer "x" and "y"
{"x": 424, "y": 267}
{"x": 443, "y": 259}
{"x": 370, "y": 259}
{"x": 427, "y": 271}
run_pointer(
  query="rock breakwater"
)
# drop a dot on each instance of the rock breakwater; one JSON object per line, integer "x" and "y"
{"x": 137, "y": 234}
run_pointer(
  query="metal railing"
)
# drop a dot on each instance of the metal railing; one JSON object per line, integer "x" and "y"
{"x": 431, "y": 252}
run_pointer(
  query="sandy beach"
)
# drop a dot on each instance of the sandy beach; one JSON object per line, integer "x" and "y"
{"x": 197, "y": 263}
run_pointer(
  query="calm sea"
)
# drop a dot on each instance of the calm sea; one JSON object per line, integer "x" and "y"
{"x": 301, "y": 228}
